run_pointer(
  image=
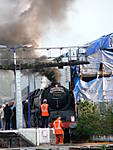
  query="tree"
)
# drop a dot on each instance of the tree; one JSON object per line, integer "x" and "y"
{"x": 88, "y": 121}
{"x": 92, "y": 122}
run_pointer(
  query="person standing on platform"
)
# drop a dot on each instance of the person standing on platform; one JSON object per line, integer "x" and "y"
{"x": 14, "y": 117}
{"x": 44, "y": 113}
{"x": 58, "y": 127}
{"x": 7, "y": 116}
{"x": 2, "y": 116}
{"x": 25, "y": 112}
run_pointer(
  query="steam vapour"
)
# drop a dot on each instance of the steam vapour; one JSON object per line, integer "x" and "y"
{"x": 53, "y": 74}
{"x": 25, "y": 21}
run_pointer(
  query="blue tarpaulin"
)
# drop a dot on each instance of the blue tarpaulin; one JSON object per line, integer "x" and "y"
{"x": 101, "y": 43}
{"x": 100, "y": 88}
{"x": 97, "y": 90}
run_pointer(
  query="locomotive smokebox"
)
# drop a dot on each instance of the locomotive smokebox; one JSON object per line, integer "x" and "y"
{"x": 57, "y": 96}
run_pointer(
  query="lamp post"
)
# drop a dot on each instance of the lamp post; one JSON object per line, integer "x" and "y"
{"x": 28, "y": 93}
{"x": 69, "y": 60}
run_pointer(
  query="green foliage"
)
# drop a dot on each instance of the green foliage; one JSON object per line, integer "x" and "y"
{"x": 103, "y": 147}
{"x": 92, "y": 122}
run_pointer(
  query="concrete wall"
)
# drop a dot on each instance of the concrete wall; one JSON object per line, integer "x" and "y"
{"x": 38, "y": 135}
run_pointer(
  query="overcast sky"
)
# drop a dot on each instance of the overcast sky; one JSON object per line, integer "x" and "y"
{"x": 87, "y": 20}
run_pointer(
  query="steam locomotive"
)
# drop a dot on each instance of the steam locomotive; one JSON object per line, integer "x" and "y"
{"x": 60, "y": 101}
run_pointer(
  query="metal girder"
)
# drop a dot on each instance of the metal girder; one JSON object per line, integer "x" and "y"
{"x": 41, "y": 65}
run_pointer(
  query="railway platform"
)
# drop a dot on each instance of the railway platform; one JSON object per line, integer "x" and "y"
{"x": 78, "y": 146}
{"x": 38, "y": 139}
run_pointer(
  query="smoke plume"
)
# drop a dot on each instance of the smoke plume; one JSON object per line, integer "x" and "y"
{"x": 53, "y": 74}
{"x": 25, "y": 21}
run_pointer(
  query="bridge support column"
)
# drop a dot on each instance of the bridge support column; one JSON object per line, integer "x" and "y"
{"x": 19, "y": 107}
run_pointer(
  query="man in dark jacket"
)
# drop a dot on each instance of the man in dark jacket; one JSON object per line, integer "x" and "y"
{"x": 7, "y": 116}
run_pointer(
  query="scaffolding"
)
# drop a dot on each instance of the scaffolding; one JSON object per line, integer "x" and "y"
{"x": 94, "y": 81}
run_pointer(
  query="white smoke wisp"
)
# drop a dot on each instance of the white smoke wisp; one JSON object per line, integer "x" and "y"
{"x": 44, "y": 82}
